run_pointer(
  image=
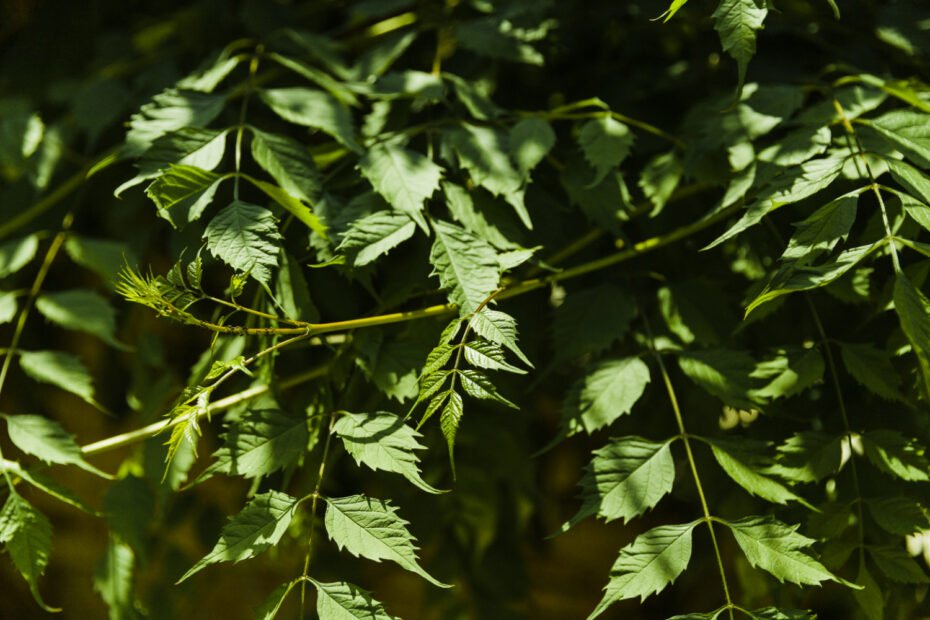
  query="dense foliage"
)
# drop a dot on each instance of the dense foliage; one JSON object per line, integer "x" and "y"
{"x": 564, "y": 310}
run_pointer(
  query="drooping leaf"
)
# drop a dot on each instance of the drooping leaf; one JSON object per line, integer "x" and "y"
{"x": 721, "y": 372}
{"x": 907, "y": 130}
{"x": 778, "y": 549}
{"x": 60, "y": 369}
{"x": 187, "y": 185}
{"x": 245, "y": 237}
{"x": 911, "y": 179}
{"x": 488, "y": 355}
{"x": 340, "y": 600}
{"x": 451, "y": 416}
{"x": 788, "y": 373}
{"x": 591, "y": 320}
{"x": 27, "y": 537}
{"x": 269, "y": 609}
{"x": 607, "y": 392}
{"x": 499, "y": 328}
{"x": 530, "y": 140}
{"x": 736, "y": 459}
{"x": 375, "y": 235}
{"x": 259, "y": 526}
{"x": 899, "y": 515}
{"x": 80, "y": 310}
{"x": 870, "y": 597}
{"x": 605, "y": 142}
{"x": 625, "y": 478}
{"x": 467, "y": 266}
{"x": 16, "y": 254}
{"x": 405, "y": 178}
{"x": 202, "y": 149}
{"x": 913, "y": 311}
{"x": 46, "y": 439}
{"x": 897, "y": 565}
{"x": 477, "y": 385}
{"x": 103, "y": 256}
{"x": 872, "y": 368}
{"x": 113, "y": 581}
{"x": 289, "y": 164}
{"x": 382, "y": 441}
{"x": 313, "y": 108}
{"x": 896, "y": 455}
{"x": 169, "y": 111}
{"x": 371, "y": 528}
{"x": 660, "y": 178}
{"x": 810, "y": 456}
{"x": 648, "y": 565}
{"x": 737, "y": 21}
{"x": 822, "y": 230}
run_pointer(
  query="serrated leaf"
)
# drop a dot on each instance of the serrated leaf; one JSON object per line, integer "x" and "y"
{"x": 394, "y": 363}
{"x": 605, "y": 143}
{"x": 184, "y": 185}
{"x": 313, "y": 108}
{"x": 499, "y": 328}
{"x": 913, "y": 311}
{"x": 269, "y": 609}
{"x": 625, "y": 478}
{"x": 104, "y": 257}
{"x": 899, "y": 515}
{"x": 60, "y": 369}
{"x": 789, "y": 373}
{"x": 897, "y": 565}
{"x": 777, "y": 548}
{"x": 477, "y": 213}
{"x": 911, "y": 179}
{"x": 188, "y": 146}
{"x": 375, "y": 235}
{"x": 607, "y": 392}
{"x": 259, "y": 526}
{"x": 908, "y": 131}
{"x": 37, "y": 478}
{"x": 659, "y": 179}
{"x": 245, "y": 237}
{"x": 896, "y": 455}
{"x": 739, "y": 466}
{"x": 870, "y": 597}
{"x": 798, "y": 146}
{"x": 484, "y": 354}
{"x": 872, "y": 368}
{"x": 291, "y": 204}
{"x": 822, "y": 230}
{"x": 484, "y": 153}
{"x": 341, "y": 600}
{"x": 113, "y": 580}
{"x": 648, "y": 564}
{"x": 737, "y": 21}
{"x": 289, "y": 164}
{"x": 721, "y": 372}
{"x": 128, "y": 506}
{"x": 530, "y": 140}
{"x": 467, "y": 266}
{"x": 16, "y": 254}
{"x": 449, "y": 420}
{"x": 370, "y": 528}
{"x": 260, "y": 442}
{"x": 27, "y": 536}
{"x": 45, "y": 439}
{"x": 169, "y": 111}
{"x": 810, "y": 456}
{"x": 591, "y": 321}
{"x": 81, "y": 310}
{"x": 382, "y": 441}
{"x": 477, "y": 385}
{"x": 405, "y": 178}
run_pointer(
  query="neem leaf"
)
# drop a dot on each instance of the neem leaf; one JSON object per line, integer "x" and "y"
{"x": 245, "y": 236}
{"x": 382, "y": 441}
{"x": 370, "y": 528}
{"x": 609, "y": 391}
{"x": 648, "y": 564}
{"x": 259, "y": 526}
{"x": 405, "y": 178}
{"x": 625, "y": 478}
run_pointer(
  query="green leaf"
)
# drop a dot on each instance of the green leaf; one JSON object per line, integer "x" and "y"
{"x": 272, "y": 605}
{"x": 370, "y": 528}
{"x": 913, "y": 311}
{"x": 822, "y": 230}
{"x": 81, "y": 310}
{"x": 648, "y": 564}
{"x": 487, "y": 355}
{"x": 128, "y": 506}
{"x": 313, "y": 108}
{"x": 789, "y": 373}
{"x": 794, "y": 277}
{"x": 260, "y": 442}
{"x": 738, "y": 463}
{"x": 27, "y": 536}
{"x": 810, "y": 456}
{"x": 659, "y": 179}
{"x": 591, "y": 321}
{"x": 37, "y": 478}
{"x": 382, "y": 441}
{"x": 60, "y": 369}
{"x": 46, "y": 439}
{"x": 492, "y": 38}
{"x": 911, "y": 179}
{"x": 605, "y": 143}
{"x": 245, "y": 237}
{"x": 375, "y": 235}
{"x": 467, "y": 266}
{"x": 900, "y": 515}
{"x": 737, "y": 21}
{"x": 289, "y": 164}
{"x": 104, "y": 257}
{"x": 798, "y": 146}
{"x": 259, "y": 526}
{"x": 477, "y": 385}
{"x": 609, "y": 391}
{"x": 908, "y": 131}
{"x": 777, "y": 548}
{"x": 722, "y": 373}
{"x": 292, "y": 205}
{"x": 484, "y": 153}
{"x": 394, "y": 363}
{"x": 872, "y": 368}
{"x": 405, "y": 178}
{"x": 500, "y": 328}
{"x": 625, "y": 478}
{"x": 482, "y": 219}
{"x": 896, "y": 455}
{"x": 113, "y": 580}
{"x": 189, "y": 146}
{"x": 341, "y": 600}
{"x": 8, "y": 307}
{"x": 530, "y": 140}
{"x": 187, "y": 186}
{"x": 895, "y": 563}
{"x": 169, "y": 111}
{"x": 870, "y": 597}
{"x": 16, "y": 254}
{"x": 450, "y": 417}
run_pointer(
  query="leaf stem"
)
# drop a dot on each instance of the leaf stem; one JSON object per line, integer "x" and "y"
{"x": 313, "y": 504}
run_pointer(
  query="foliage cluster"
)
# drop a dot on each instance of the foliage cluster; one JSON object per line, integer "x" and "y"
{"x": 262, "y": 256}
